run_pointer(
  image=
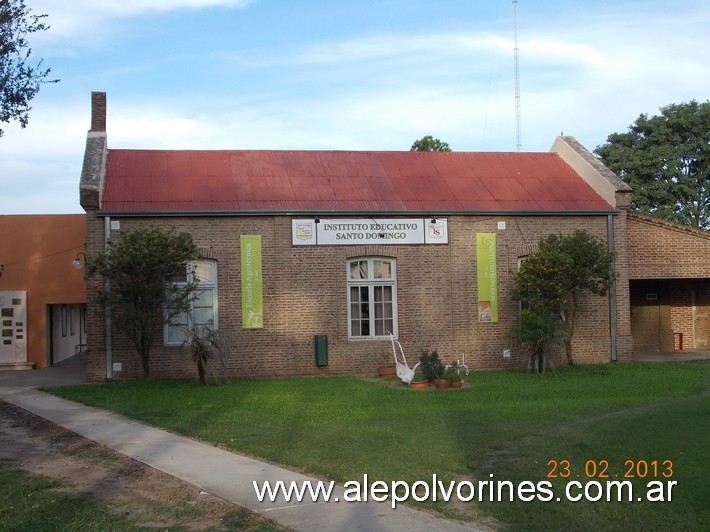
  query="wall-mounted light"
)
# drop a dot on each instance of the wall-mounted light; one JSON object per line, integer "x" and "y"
{"x": 317, "y": 220}
{"x": 433, "y": 220}
{"x": 77, "y": 262}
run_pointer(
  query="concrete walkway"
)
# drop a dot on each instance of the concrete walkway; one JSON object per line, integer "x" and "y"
{"x": 222, "y": 473}
{"x": 675, "y": 356}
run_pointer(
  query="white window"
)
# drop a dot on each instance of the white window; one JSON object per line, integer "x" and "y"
{"x": 203, "y": 303}
{"x": 372, "y": 297}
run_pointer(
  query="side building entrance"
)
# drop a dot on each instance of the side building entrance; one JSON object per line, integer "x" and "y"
{"x": 669, "y": 286}
{"x": 670, "y": 314}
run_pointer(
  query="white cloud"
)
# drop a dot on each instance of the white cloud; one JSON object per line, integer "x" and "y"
{"x": 103, "y": 8}
{"x": 56, "y": 128}
{"x": 78, "y": 19}
{"x": 403, "y": 47}
{"x": 136, "y": 7}
{"x": 41, "y": 164}
{"x": 143, "y": 131}
{"x": 587, "y": 77}
{"x": 555, "y": 50}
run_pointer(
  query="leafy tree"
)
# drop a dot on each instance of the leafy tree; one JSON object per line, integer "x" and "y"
{"x": 538, "y": 332}
{"x": 429, "y": 143}
{"x": 19, "y": 80}
{"x": 666, "y": 160}
{"x": 141, "y": 268}
{"x": 552, "y": 280}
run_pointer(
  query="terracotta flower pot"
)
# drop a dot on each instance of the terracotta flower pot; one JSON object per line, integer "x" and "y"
{"x": 387, "y": 371}
{"x": 419, "y": 385}
{"x": 456, "y": 383}
{"x": 441, "y": 384}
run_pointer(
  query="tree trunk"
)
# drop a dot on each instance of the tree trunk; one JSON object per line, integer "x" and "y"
{"x": 145, "y": 358}
{"x": 568, "y": 350}
{"x": 537, "y": 361}
{"x": 568, "y": 320}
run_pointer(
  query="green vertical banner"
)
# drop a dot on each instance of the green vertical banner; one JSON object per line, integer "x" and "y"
{"x": 487, "y": 277}
{"x": 252, "y": 295}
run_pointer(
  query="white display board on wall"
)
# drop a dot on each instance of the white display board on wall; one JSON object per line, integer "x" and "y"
{"x": 13, "y": 326}
{"x": 364, "y": 231}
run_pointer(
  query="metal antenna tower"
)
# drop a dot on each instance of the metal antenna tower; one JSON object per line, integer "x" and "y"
{"x": 516, "y": 53}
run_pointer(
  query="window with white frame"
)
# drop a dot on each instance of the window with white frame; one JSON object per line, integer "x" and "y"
{"x": 203, "y": 302}
{"x": 372, "y": 297}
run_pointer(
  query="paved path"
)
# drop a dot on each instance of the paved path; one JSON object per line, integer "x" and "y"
{"x": 676, "y": 356}
{"x": 223, "y": 473}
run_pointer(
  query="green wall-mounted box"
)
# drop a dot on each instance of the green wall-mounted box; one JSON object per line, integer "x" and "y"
{"x": 320, "y": 343}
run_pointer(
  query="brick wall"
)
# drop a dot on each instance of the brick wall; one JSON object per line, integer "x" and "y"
{"x": 664, "y": 250}
{"x": 682, "y": 319}
{"x": 702, "y": 315}
{"x": 95, "y": 321}
{"x": 305, "y": 294}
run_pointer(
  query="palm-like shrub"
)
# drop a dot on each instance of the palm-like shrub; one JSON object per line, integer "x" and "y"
{"x": 537, "y": 333}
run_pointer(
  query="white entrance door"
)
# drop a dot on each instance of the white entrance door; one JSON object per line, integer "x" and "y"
{"x": 13, "y": 326}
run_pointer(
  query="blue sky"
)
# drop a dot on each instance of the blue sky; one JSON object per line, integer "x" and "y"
{"x": 345, "y": 75}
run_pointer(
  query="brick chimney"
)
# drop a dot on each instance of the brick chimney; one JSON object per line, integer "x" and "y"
{"x": 98, "y": 112}
{"x": 94, "y": 167}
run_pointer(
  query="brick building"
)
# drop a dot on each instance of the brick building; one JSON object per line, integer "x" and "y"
{"x": 310, "y": 258}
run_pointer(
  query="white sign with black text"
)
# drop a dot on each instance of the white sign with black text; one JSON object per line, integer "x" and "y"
{"x": 362, "y": 231}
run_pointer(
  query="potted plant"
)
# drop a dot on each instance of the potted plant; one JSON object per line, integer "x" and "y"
{"x": 431, "y": 365}
{"x": 419, "y": 382}
{"x": 386, "y": 368}
{"x": 442, "y": 381}
{"x": 453, "y": 375}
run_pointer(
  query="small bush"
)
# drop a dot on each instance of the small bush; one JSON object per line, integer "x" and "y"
{"x": 431, "y": 365}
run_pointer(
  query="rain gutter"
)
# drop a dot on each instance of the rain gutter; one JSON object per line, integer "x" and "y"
{"x": 109, "y": 345}
{"x": 368, "y": 213}
{"x": 612, "y": 288}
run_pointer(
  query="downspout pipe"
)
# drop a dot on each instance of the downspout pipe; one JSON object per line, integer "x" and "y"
{"x": 612, "y": 288}
{"x": 109, "y": 345}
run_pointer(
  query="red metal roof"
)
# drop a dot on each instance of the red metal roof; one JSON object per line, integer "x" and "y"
{"x": 161, "y": 181}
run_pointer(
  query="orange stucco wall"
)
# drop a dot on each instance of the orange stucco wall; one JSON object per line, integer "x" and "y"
{"x": 37, "y": 253}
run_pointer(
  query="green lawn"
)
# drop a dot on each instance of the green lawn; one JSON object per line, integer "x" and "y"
{"x": 29, "y": 502}
{"x": 505, "y": 424}
{"x": 36, "y": 503}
